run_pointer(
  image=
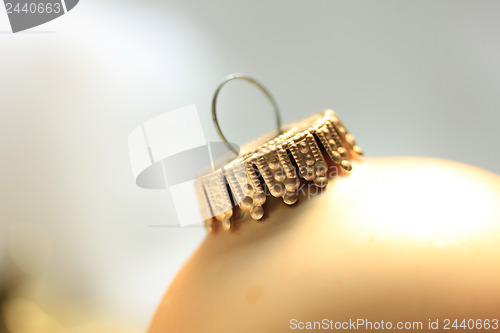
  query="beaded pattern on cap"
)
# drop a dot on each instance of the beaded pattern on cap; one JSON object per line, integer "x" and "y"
{"x": 239, "y": 181}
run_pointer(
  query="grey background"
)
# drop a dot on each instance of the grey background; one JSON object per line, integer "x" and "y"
{"x": 20, "y": 20}
{"x": 407, "y": 78}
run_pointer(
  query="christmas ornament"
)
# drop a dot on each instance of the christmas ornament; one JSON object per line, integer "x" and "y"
{"x": 304, "y": 152}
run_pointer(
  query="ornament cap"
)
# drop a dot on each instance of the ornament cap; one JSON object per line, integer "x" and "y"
{"x": 275, "y": 166}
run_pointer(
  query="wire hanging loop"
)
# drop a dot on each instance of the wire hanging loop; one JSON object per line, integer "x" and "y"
{"x": 240, "y": 76}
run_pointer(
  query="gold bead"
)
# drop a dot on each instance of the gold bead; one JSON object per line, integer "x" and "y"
{"x": 321, "y": 169}
{"x": 346, "y": 165}
{"x": 248, "y": 189}
{"x": 226, "y": 224}
{"x": 321, "y": 181}
{"x": 350, "y": 139}
{"x": 279, "y": 176}
{"x": 290, "y": 198}
{"x": 278, "y": 190}
{"x": 259, "y": 199}
{"x": 257, "y": 212}
{"x": 309, "y": 160}
{"x": 274, "y": 163}
{"x": 357, "y": 149}
{"x": 343, "y": 152}
{"x": 246, "y": 204}
{"x": 303, "y": 147}
{"x": 309, "y": 172}
{"x": 336, "y": 158}
{"x": 241, "y": 176}
{"x": 292, "y": 184}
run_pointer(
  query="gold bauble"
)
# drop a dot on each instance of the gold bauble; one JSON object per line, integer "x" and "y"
{"x": 399, "y": 239}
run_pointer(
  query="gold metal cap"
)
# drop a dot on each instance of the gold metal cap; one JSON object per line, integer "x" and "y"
{"x": 272, "y": 166}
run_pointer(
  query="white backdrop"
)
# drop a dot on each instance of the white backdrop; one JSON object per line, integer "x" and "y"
{"x": 407, "y": 78}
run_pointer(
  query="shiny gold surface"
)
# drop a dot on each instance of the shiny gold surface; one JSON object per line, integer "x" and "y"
{"x": 399, "y": 239}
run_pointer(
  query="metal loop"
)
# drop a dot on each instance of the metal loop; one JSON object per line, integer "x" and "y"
{"x": 261, "y": 88}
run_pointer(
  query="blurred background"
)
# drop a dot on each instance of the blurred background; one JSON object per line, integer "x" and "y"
{"x": 82, "y": 248}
